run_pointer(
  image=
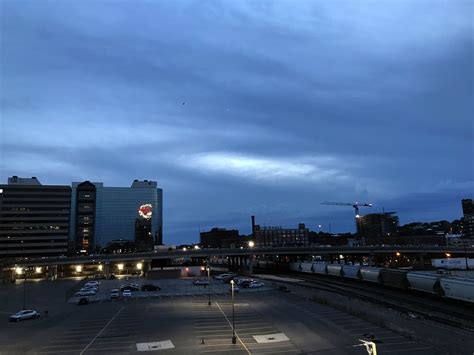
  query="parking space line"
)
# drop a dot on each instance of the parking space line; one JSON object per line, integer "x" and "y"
{"x": 110, "y": 321}
{"x": 237, "y": 336}
{"x": 405, "y": 350}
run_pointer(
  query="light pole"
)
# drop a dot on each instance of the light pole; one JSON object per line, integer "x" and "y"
{"x": 234, "y": 338}
{"x": 24, "y": 290}
{"x": 209, "y": 282}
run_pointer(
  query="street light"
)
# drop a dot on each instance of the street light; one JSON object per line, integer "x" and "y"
{"x": 209, "y": 282}
{"x": 78, "y": 268}
{"x": 234, "y": 338}
{"x": 139, "y": 266}
{"x": 448, "y": 255}
{"x": 38, "y": 269}
{"x": 251, "y": 244}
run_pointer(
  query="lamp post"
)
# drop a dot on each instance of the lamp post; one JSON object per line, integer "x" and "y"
{"x": 234, "y": 338}
{"x": 209, "y": 282}
{"x": 24, "y": 289}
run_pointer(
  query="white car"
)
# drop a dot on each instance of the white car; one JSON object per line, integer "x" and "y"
{"x": 239, "y": 280}
{"x": 85, "y": 293}
{"x": 115, "y": 293}
{"x": 92, "y": 284}
{"x": 25, "y": 314}
{"x": 236, "y": 289}
{"x": 256, "y": 284}
{"x": 127, "y": 294}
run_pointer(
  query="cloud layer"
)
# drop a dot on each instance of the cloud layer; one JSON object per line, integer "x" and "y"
{"x": 240, "y": 108}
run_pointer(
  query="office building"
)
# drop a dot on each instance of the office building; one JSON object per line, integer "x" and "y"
{"x": 221, "y": 238}
{"x": 101, "y": 214}
{"x": 468, "y": 218}
{"x": 377, "y": 225}
{"x": 34, "y": 218}
{"x": 278, "y": 236}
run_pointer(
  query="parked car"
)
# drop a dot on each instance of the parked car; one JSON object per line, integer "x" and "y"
{"x": 222, "y": 276}
{"x": 127, "y": 294}
{"x": 240, "y": 280}
{"x": 245, "y": 283}
{"x": 201, "y": 282}
{"x": 256, "y": 284}
{"x": 25, "y": 314}
{"x": 130, "y": 287}
{"x": 228, "y": 278}
{"x": 150, "y": 287}
{"x": 112, "y": 277}
{"x": 83, "y": 301}
{"x": 115, "y": 293}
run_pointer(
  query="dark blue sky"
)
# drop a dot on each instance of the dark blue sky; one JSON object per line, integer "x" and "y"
{"x": 286, "y": 104}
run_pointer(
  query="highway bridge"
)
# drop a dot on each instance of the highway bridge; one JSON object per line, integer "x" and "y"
{"x": 244, "y": 253}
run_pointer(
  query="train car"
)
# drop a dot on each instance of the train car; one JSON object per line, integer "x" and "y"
{"x": 458, "y": 288}
{"x": 320, "y": 268}
{"x": 370, "y": 274}
{"x": 351, "y": 271}
{"x": 334, "y": 270}
{"x": 295, "y": 266}
{"x": 306, "y": 267}
{"x": 425, "y": 282}
{"x": 394, "y": 278}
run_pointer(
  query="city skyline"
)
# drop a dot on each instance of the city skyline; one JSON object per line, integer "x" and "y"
{"x": 240, "y": 109}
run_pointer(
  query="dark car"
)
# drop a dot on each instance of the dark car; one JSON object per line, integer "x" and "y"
{"x": 150, "y": 287}
{"x": 246, "y": 283}
{"x": 228, "y": 279}
{"x": 111, "y": 277}
{"x": 83, "y": 301}
{"x": 130, "y": 287}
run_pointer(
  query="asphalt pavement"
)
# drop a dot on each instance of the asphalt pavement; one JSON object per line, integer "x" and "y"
{"x": 266, "y": 322}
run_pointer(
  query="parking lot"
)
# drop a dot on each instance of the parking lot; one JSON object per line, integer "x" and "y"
{"x": 169, "y": 287}
{"x": 267, "y": 321}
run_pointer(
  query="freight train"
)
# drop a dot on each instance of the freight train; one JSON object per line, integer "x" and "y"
{"x": 444, "y": 286}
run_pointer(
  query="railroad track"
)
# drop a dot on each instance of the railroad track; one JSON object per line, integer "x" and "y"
{"x": 406, "y": 304}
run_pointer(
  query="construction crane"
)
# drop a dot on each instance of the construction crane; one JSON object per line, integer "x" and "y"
{"x": 355, "y": 205}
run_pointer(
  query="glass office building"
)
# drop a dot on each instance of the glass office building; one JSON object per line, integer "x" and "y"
{"x": 101, "y": 214}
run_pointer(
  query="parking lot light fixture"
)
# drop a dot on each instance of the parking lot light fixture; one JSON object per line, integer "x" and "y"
{"x": 196, "y": 247}
{"x": 120, "y": 267}
{"x": 18, "y": 270}
{"x": 234, "y": 338}
{"x": 139, "y": 266}
{"x": 78, "y": 268}
{"x": 251, "y": 244}
{"x": 100, "y": 267}
{"x": 38, "y": 269}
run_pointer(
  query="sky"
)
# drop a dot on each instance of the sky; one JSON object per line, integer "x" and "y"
{"x": 240, "y": 108}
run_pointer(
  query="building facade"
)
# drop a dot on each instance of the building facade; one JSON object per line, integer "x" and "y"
{"x": 280, "y": 237}
{"x": 378, "y": 225}
{"x": 221, "y": 238}
{"x": 34, "y": 218}
{"x": 114, "y": 212}
{"x": 468, "y": 218}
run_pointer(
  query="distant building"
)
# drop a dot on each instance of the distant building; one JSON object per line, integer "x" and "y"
{"x": 376, "y": 225}
{"x": 278, "y": 236}
{"x": 34, "y": 218}
{"x": 221, "y": 238}
{"x": 468, "y": 218}
{"x": 102, "y": 214}
{"x": 119, "y": 246}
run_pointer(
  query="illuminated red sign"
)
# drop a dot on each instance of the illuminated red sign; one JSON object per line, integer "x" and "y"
{"x": 145, "y": 211}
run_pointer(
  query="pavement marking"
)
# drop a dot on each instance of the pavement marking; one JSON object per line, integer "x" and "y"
{"x": 270, "y": 338}
{"x": 110, "y": 321}
{"x": 156, "y": 345}
{"x": 404, "y": 350}
{"x": 241, "y": 342}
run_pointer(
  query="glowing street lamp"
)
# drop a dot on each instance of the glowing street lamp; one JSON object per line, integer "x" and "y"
{"x": 398, "y": 253}
{"x": 120, "y": 267}
{"x": 448, "y": 255}
{"x": 234, "y": 338}
{"x": 196, "y": 247}
{"x": 139, "y": 266}
{"x": 38, "y": 270}
{"x": 100, "y": 267}
{"x": 251, "y": 244}
{"x": 18, "y": 270}
{"x": 78, "y": 268}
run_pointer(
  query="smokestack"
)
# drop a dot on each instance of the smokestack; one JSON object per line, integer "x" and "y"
{"x": 253, "y": 225}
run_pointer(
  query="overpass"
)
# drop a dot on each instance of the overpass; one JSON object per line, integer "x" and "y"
{"x": 244, "y": 253}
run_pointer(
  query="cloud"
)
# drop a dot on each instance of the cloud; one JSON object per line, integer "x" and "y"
{"x": 264, "y": 169}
